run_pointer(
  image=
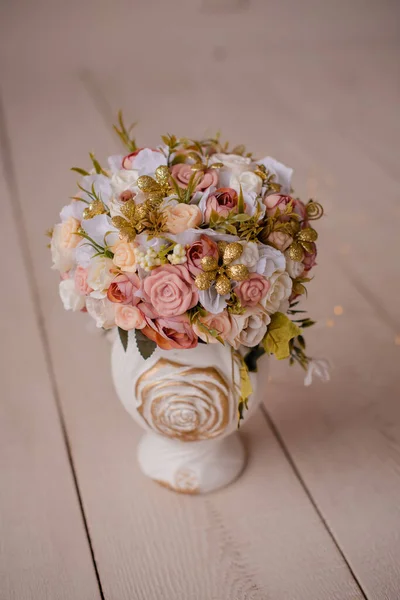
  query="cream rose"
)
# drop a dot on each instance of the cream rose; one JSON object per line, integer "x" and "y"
{"x": 62, "y": 257}
{"x": 233, "y": 165}
{"x": 280, "y": 240}
{"x": 100, "y": 275}
{"x": 71, "y": 299}
{"x": 278, "y": 293}
{"x": 124, "y": 256}
{"x": 124, "y": 180}
{"x": 250, "y": 255}
{"x": 129, "y": 317}
{"x": 102, "y": 311}
{"x": 248, "y": 181}
{"x": 251, "y": 327}
{"x": 68, "y": 233}
{"x": 181, "y": 217}
{"x": 293, "y": 267}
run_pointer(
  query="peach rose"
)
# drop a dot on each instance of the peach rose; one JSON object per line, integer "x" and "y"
{"x": 251, "y": 291}
{"x": 182, "y": 216}
{"x": 223, "y": 201}
{"x": 81, "y": 284}
{"x": 123, "y": 287}
{"x": 129, "y": 317}
{"x": 205, "y": 246}
{"x": 173, "y": 333}
{"x": 280, "y": 240}
{"x": 182, "y": 174}
{"x": 124, "y": 256}
{"x": 252, "y": 326}
{"x": 169, "y": 291}
{"x": 69, "y": 237}
{"x": 221, "y": 323}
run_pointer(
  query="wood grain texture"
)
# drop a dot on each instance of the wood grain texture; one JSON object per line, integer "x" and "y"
{"x": 148, "y": 542}
{"x": 44, "y": 552}
{"x": 314, "y": 84}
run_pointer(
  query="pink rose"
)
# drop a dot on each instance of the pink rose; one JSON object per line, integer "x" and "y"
{"x": 205, "y": 246}
{"x": 183, "y": 172}
{"x": 123, "y": 287}
{"x": 221, "y": 323}
{"x": 223, "y": 201}
{"x": 182, "y": 216}
{"x": 251, "y": 291}
{"x": 173, "y": 333}
{"x": 169, "y": 290}
{"x": 274, "y": 201}
{"x": 129, "y": 317}
{"x": 81, "y": 284}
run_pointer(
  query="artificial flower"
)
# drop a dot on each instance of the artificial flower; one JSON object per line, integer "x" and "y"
{"x": 223, "y": 201}
{"x": 100, "y": 275}
{"x": 129, "y": 317}
{"x": 124, "y": 289}
{"x": 278, "y": 294}
{"x": 220, "y": 324}
{"x": 124, "y": 256}
{"x": 282, "y": 173}
{"x": 169, "y": 291}
{"x": 183, "y": 173}
{"x": 251, "y": 326}
{"x": 205, "y": 246}
{"x": 71, "y": 298}
{"x": 317, "y": 368}
{"x": 102, "y": 311}
{"x": 81, "y": 284}
{"x": 252, "y": 290}
{"x": 181, "y": 217}
{"x": 172, "y": 333}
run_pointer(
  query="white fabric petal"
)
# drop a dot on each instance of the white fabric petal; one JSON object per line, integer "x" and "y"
{"x": 98, "y": 228}
{"x": 283, "y": 174}
{"x": 212, "y": 301}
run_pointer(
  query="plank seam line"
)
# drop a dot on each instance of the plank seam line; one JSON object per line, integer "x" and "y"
{"x": 297, "y": 473}
{"x": 16, "y": 210}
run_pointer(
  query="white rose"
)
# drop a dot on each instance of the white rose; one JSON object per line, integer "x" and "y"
{"x": 102, "y": 311}
{"x": 250, "y": 255}
{"x": 252, "y": 326}
{"x": 100, "y": 275}
{"x": 69, "y": 296}
{"x": 147, "y": 161}
{"x": 278, "y": 293}
{"x": 293, "y": 267}
{"x": 233, "y": 165}
{"x": 271, "y": 261}
{"x": 248, "y": 181}
{"x": 63, "y": 257}
{"x": 283, "y": 174}
{"x": 124, "y": 180}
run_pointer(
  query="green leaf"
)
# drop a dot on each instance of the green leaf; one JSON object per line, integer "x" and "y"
{"x": 123, "y": 336}
{"x": 280, "y": 331}
{"x": 145, "y": 346}
{"x": 80, "y": 171}
{"x": 251, "y": 357}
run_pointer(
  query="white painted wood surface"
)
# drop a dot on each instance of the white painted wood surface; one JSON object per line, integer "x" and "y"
{"x": 316, "y": 515}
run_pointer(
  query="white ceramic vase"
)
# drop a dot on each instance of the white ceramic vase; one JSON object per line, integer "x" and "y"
{"x": 187, "y": 402}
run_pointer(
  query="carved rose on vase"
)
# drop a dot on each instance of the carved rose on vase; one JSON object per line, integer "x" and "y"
{"x": 183, "y": 402}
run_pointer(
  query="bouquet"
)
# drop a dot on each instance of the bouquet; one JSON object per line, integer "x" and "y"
{"x": 190, "y": 242}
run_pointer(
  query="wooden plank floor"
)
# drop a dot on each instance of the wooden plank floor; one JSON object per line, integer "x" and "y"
{"x": 317, "y": 513}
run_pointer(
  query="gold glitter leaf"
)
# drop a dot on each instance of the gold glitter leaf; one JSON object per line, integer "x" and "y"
{"x": 129, "y": 209}
{"x": 209, "y": 263}
{"x": 296, "y": 252}
{"x": 232, "y": 252}
{"x": 237, "y": 272}
{"x": 148, "y": 184}
{"x": 217, "y": 165}
{"x": 203, "y": 281}
{"x": 308, "y": 235}
{"x": 119, "y": 222}
{"x": 308, "y": 247}
{"x": 95, "y": 208}
{"x": 162, "y": 175}
{"x": 223, "y": 285}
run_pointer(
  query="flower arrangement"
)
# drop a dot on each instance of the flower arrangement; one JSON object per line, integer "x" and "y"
{"x": 190, "y": 242}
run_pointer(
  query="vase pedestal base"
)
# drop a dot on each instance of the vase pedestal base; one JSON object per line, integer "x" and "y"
{"x": 191, "y": 467}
